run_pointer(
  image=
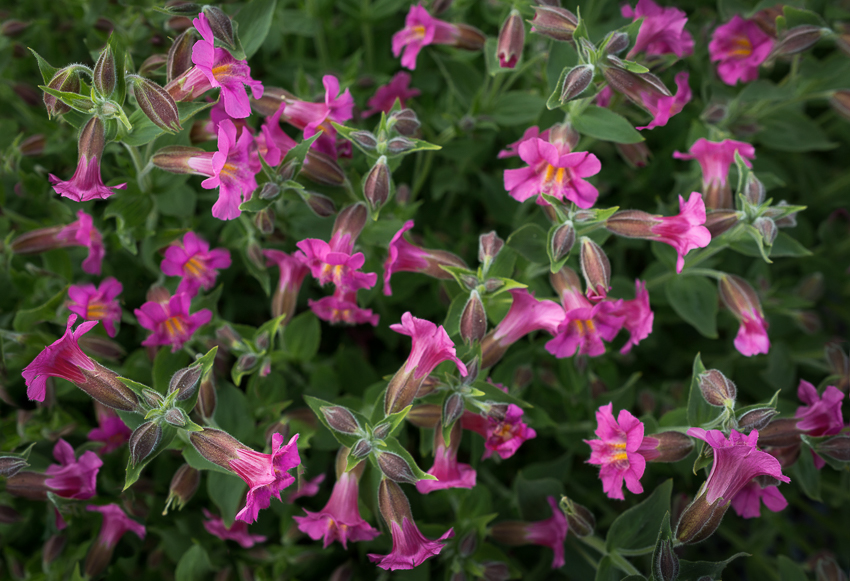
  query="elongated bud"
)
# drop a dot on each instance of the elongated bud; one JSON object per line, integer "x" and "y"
{"x": 738, "y": 296}
{"x": 11, "y": 465}
{"x": 376, "y": 184}
{"x": 565, "y": 281}
{"x": 632, "y": 85}
{"x": 563, "y": 240}
{"x": 401, "y": 390}
{"x": 53, "y": 548}
{"x": 425, "y": 415}
{"x": 468, "y": 544}
{"x": 837, "y": 448}
{"x": 495, "y": 570}
{"x": 33, "y": 146}
{"x": 754, "y": 190}
{"x": 719, "y": 221}
{"x": 67, "y": 81}
{"x": 175, "y": 158}
{"x": 404, "y": 121}
{"x": 396, "y": 468}
{"x": 381, "y": 431}
{"x": 632, "y": 224}
{"x": 668, "y": 447}
{"x": 554, "y": 22}
{"x": 351, "y": 221}
{"x": 635, "y": 154}
{"x": 152, "y": 64}
{"x": 797, "y": 39}
{"x": 143, "y": 440}
{"x": 581, "y": 520}
{"x": 319, "y": 204}
{"x": 267, "y": 191}
{"x": 152, "y": 397}
{"x": 105, "y": 74}
{"x": 9, "y": 516}
{"x": 361, "y": 449}
{"x": 511, "y": 40}
{"x": 179, "y": 58}
{"x": 596, "y": 269}
{"x": 836, "y": 358}
{"x": 828, "y": 569}
{"x": 473, "y": 320}
{"x": 340, "y": 419}
{"x": 700, "y": 519}
{"x": 183, "y": 486}
{"x": 220, "y": 24}
{"x": 400, "y": 144}
{"x": 756, "y": 419}
{"x": 666, "y": 565}
{"x": 104, "y": 386}
{"x": 217, "y": 446}
{"x": 617, "y": 43}
{"x": 29, "y": 485}
{"x": 576, "y": 81}
{"x": 322, "y": 169}
{"x": 186, "y": 381}
{"x": 780, "y": 433}
{"x": 468, "y": 37}
{"x": 767, "y": 228}
{"x": 206, "y": 398}
{"x": 452, "y": 411}
{"x": 717, "y": 389}
{"x": 176, "y": 417}
{"x": 264, "y": 221}
{"x": 393, "y": 503}
{"x": 156, "y": 104}
{"x": 92, "y": 139}
{"x": 365, "y": 139}
{"x": 840, "y": 101}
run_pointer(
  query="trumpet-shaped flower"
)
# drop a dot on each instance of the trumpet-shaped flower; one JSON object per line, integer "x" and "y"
{"x": 73, "y": 478}
{"x": 502, "y": 437}
{"x": 342, "y": 307}
{"x": 431, "y": 346}
{"x": 97, "y": 303}
{"x": 449, "y": 472}
{"x": 193, "y": 260}
{"x": 385, "y": 96}
{"x": 315, "y": 117}
{"x": 238, "y": 531}
{"x": 404, "y": 256}
{"x": 292, "y": 273}
{"x": 111, "y": 430}
{"x": 747, "y": 503}
{"x": 115, "y": 524}
{"x": 170, "y": 322}
{"x": 585, "y": 326}
{"x": 637, "y": 316}
{"x": 743, "y": 302}
{"x": 715, "y": 158}
{"x": 662, "y": 30}
{"x": 83, "y": 233}
{"x": 551, "y": 532}
{"x": 86, "y": 184}
{"x": 420, "y": 30}
{"x": 739, "y": 47}
{"x": 618, "y": 451}
{"x": 527, "y": 314}
{"x": 63, "y": 358}
{"x": 821, "y": 416}
{"x": 265, "y": 474}
{"x": 663, "y": 108}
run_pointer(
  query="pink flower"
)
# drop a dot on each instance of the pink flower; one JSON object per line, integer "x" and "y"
{"x": 342, "y": 307}
{"x": 238, "y": 531}
{"x": 618, "y": 451}
{"x": 86, "y": 184}
{"x": 112, "y": 430}
{"x": 292, "y": 273}
{"x": 327, "y": 264}
{"x": 170, "y": 322}
{"x": 527, "y": 314}
{"x": 637, "y": 316}
{"x": 821, "y": 416}
{"x": 403, "y": 256}
{"x": 685, "y": 231}
{"x": 740, "y": 47}
{"x": 603, "y": 97}
{"x": 386, "y": 95}
{"x": 340, "y": 519}
{"x": 420, "y": 29}
{"x": 551, "y": 532}
{"x": 265, "y": 474}
{"x": 742, "y": 300}
{"x": 73, "y": 478}
{"x": 97, "y": 303}
{"x": 662, "y": 30}
{"x": 512, "y": 149}
{"x": 195, "y": 262}
{"x": 272, "y": 143}
{"x": 231, "y": 169}
{"x": 747, "y": 503}
{"x": 306, "y": 489}
{"x": 431, "y": 346}
{"x": 115, "y": 524}
{"x": 502, "y": 437}
{"x": 715, "y": 159}
{"x": 222, "y": 70}
{"x": 63, "y": 358}
{"x": 663, "y": 108}
{"x": 83, "y": 233}
{"x": 736, "y": 462}
{"x": 449, "y": 472}
{"x": 585, "y": 325}
{"x": 552, "y": 170}
{"x": 315, "y": 117}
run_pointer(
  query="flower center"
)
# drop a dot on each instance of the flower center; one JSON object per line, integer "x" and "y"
{"x": 221, "y": 71}
{"x": 742, "y": 45}
{"x": 229, "y": 170}
{"x": 418, "y": 31}
{"x": 95, "y": 310}
{"x": 174, "y": 326}
{"x": 585, "y": 327}
{"x": 554, "y": 175}
{"x": 194, "y": 266}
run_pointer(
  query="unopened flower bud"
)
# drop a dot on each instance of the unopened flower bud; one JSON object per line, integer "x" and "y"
{"x": 183, "y": 8}
{"x": 473, "y": 320}
{"x": 381, "y": 431}
{"x": 719, "y": 221}
{"x": 596, "y": 269}
{"x": 264, "y": 221}
{"x": 220, "y": 24}
{"x": 12, "y": 28}
{"x": 468, "y": 544}
{"x": 493, "y": 284}
{"x": 376, "y": 184}
{"x": 322, "y": 169}
{"x": 361, "y": 449}
{"x": 255, "y": 255}
{"x": 617, "y": 43}
{"x": 452, "y": 409}
{"x": 143, "y": 441}
{"x": 175, "y": 417}
{"x": 489, "y": 246}
{"x": 53, "y": 548}
{"x": 29, "y": 485}
{"x": 495, "y": 571}
{"x": 365, "y": 139}
{"x": 175, "y": 158}
{"x": 340, "y": 419}
{"x": 576, "y": 81}
{"x": 102, "y": 347}
{"x": 217, "y": 446}
{"x": 65, "y": 80}
{"x": 797, "y": 39}
{"x": 320, "y": 205}
{"x": 780, "y": 433}
{"x": 425, "y": 416}
{"x": 104, "y": 386}
{"x": 563, "y": 240}
{"x": 400, "y": 144}
{"x": 756, "y": 419}
{"x": 666, "y": 565}
{"x": 105, "y": 75}
{"x": 837, "y": 448}
{"x": 581, "y": 521}
{"x": 152, "y": 64}
{"x": 32, "y": 146}
{"x": 9, "y": 516}
{"x": 827, "y": 569}
{"x": 554, "y": 22}
{"x": 396, "y": 468}
{"x": 152, "y": 397}
{"x": 668, "y": 447}
{"x": 754, "y": 190}
{"x": 11, "y": 465}
{"x": 635, "y": 154}
{"x": 717, "y": 389}
{"x": 404, "y": 121}
{"x": 156, "y": 104}
{"x": 498, "y": 411}
{"x": 246, "y": 362}
{"x": 633, "y": 85}
{"x": 206, "y": 398}
{"x": 267, "y": 191}
{"x": 767, "y": 228}
{"x": 185, "y": 381}
{"x": 351, "y": 221}
{"x": 511, "y": 40}
{"x": 183, "y": 485}
{"x": 700, "y": 519}
{"x": 840, "y": 101}
{"x": 739, "y": 297}
{"x": 468, "y": 38}
{"x": 179, "y": 59}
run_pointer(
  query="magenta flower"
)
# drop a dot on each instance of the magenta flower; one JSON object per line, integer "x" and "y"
{"x": 97, "y": 303}
{"x": 272, "y": 142}
{"x": 526, "y": 315}
{"x": 231, "y": 169}
{"x": 821, "y": 416}
{"x": 554, "y": 171}
{"x": 603, "y": 97}
{"x": 685, "y": 231}
{"x": 265, "y": 474}
{"x": 502, "y": 437}
{"x": 420, "y": 30}
{"x": 292, "y": 273}
{"x": 618, "y": 451}
{"x": 342, "y": 307}
{"x": 327, "y": 264}
{"x": 637, "y": 316}
{"x": 739, "y": 46}
{"x": 386, "y": 95}
{"x": 224, "y": 71}
{"x": 404, "y": 256}
{"x": 662, "y": 30}
{"x": 111, "y": 430}
{"x": 747, "y": 503}
{"x": 238, "y": 531}
{"x": 431, "y": 346}
{"x": 315, "y": 117}
{"x": 742, "y": 300}
{"x": 115, "y": 524}
{"x": 63, "y": 358}
{"x": 306, "y": 489}
{"x": 512, "y": 149}
{"x": 584, "y": 325}
{"x": 715, "y": 159}
{"x": 449, "y": 472}
{"x": 170, "y": 322}
{"x": 340, "y": 519}
{"x": 736, "y": 462}
{"x": 663, "y": 108}
{"x": 73, "y": 478}
{"x": 86, "y": 184}
{"x": 551, "y": 532}
{"x": 195, "y": 262}
{"x": 83, "y": 233}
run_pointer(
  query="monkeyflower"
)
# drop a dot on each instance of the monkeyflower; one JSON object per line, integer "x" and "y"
{"x": 292, "y": 273}
{"x": 63, "y": 358}
{"x": 684, "y": 232}
{"x": 526, "y": 315}
{"x": 342, "y": 307}
{"x": 742, "y": 300}
{"x": 449, "y": 472}
{"x": 661, "y": 32}
{"x": 224, "y": 71}
{"x": 193, "y": 260}
{"x": 553, "y": 170}
{"x": 637, "y": 316}
{"x": 238, "y": 531}
{"x": 86, "y": 184}
{"x": 170, "y": 321}
{"x": 111, "y": 430}
{"x": 502, "y": 435}
{"x": 551, "y": 532}
{"x": 821, "y": 416}
{"x": 747, "y": 503}
{"x": 340, "y": 519}
{"x": 97, "y": 303}
{"x": 404, "y": 256}
{"x": 306, "y": 488}
{"x": 512, "y": 149}
{"x": 272, "y": 142}
{"x": 663, "y": 108}
{"x": 314, "y": 117}
{"x": 715, "y": 158}
{"x": 421, "y": 29}
{"x": 332, "y": 263}
{"x": 83, "y": 233}
{"x": 73, "y": 478}
{"x": 410, "y": 547}
{"x": 386, "y": 95}
{"x": 115, "y": 524}
{"x": 619, "y": 451}
{"x": 739, "y": 47}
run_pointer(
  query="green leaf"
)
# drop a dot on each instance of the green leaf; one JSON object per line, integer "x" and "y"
{"x": 798, "y": 17}
{"x": 165, "y": 365}
{"x": 73, "y": 100}
{"x": 530, "y": 242}
{"x": 233, "y": 413}
{"x": 604, "y": 124}
{"x": 25, "y": 320}
{"x": 255, "y": 21}
{"x": 194, "y": 565}
{"x": 302, "y": 336}
{"x": 134, "y": 471}
{"x": 788, "y": 569}
{"x": 635, "y": 531}
{"x": 806, "y": 474}
{"x": 130, "y": 212}
{"x": 607, "y": 571}
{"x": 700, "y": 412}
{"x": 783, "y": 246}
{"x": 47, "y": 71}
{"x": 791, "y": 130}
{"x": 144, "y": 131}
{"x": 452, "y": 322}
{"x": 394, "y": 446}
{"x": 693, "y": 570}
{"x": 694, "y": 298}
{"x": 226, "y": 490}
{"x": 517, "y": 108}
{"x": 562, "y": 56}
{"x": 493, "y": 393}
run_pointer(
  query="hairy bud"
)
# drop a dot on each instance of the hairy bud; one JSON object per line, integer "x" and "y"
{"x": 104, "y": 386}
{"x": 425, "y": 416}
{"x": 756, "y": 419}
{"x": 827, "y": 569}
{"x": 220, "y": 24}
{"x": 206, "y": 398}
{"x": 399, "y": 145}
{"x": 156, "y": 104}
{"x": 473, "y": 320}
{"x": 617, "y": 43}
{"x": 53, "y": 548}
{"x": 217, "y": 446}
{"x": 175, "y": 158}
{"x": 511, "y": 40}
{"x": 11, "y": 465}
{"x": 576, "y": 82}
{"x": 767, "y": 228}
{"x": 351, "y": 220}
{"x": 666, "y": 565}
{"x": 319, "y": 204}
{"x": 143, "y": 441}
{"x": 381, "y": 431}
{"x": 65, "y": 80}
{"x": 392, "y": 503}
{"x": 322, "y": 169}
{"x": 376, "y": 184}
{"x": 717, "y": 389}
{"x": 719, "y": 221}
{"x": 563, "y": 240}
{"x": 489, "y": 246}
{"x": 404, "y": 121}
{"x": 340, "y": 419}
{"x": 596, "y": 269}
{"x": 581, "y": 520}
{"x": 175, "y": 417}
{"x": 797, "y": 39}
{"x": 396, "y": 468}
{"x": 700, "y": 519}
{"x": 837, "y": 448}
{"x": 780, "y": 433}
{"x": 554, "y": 22}
{"x": 185, "y": 382}
{"x": 105, "y": 76}
{"x": 634, "y": 154}
{"x": 669, "y": 447}
{"x": 452, "y": 409}
{"x": 183, "y": 485}
{"x": 361, "y": 449}
{"x": 365, "y": 139}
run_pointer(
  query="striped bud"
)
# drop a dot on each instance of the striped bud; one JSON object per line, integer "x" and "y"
{"x": 179, "y": 59}
{"x": 376, "y": 184}
{"x": 717, "y": 389}
{"x": 105, "y": 77}
{"x": 143, "y": 441}
{"x": 65, "y": 80}
{"x": 341, "y": 419}
{"x": 554, "y": 22}
{"x": 596, "y": 269}
{"x": 576, "y": 81}
{"x": 156, "y": 104}
{"x": 473, "y": 320}
{"x": 396, "y": 468}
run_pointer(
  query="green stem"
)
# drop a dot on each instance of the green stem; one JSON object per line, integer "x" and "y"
{"x": 141, "y": 170}
{"x": 704, "y": 255}
{"x": 621, "y": 563}
{"x": 366, "y": 32}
